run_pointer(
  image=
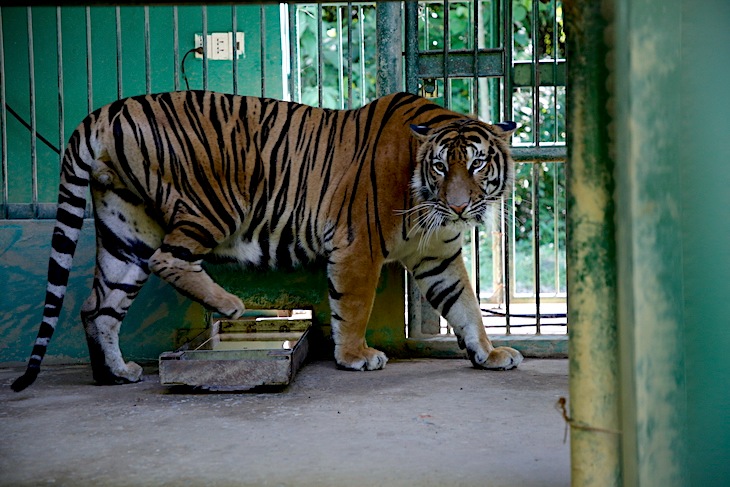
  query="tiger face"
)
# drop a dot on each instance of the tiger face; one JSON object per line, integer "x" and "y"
{"x": 463, "y": 167}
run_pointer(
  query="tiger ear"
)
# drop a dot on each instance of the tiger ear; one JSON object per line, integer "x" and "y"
{"x": 504, "y": 130}
{"x": 420, "y": 131}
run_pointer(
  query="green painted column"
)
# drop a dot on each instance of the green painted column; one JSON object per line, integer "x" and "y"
{"x": 649, "y": 241}
{"x": 594, "y": 386}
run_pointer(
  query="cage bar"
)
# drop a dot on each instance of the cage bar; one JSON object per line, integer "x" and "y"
{"x": 32, "y": 100}
{"x": 59, "y": 71}
{"x": 204, "y": 21}
{"x": 320, "y": 62}
{"x": 176, "y": 48}
{"x": 234, "y": 61}
{"x": 147, "y": 47}
{"x": 262, "y": 37}
{"x": 89, "y": 66}
{"x": 3, "y": 125}
{"x": 118, "y": 30}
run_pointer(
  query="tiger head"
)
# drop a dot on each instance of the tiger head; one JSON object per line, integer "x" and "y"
{"x": 462, "y": 168}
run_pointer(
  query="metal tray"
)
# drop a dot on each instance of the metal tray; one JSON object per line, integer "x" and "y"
{"x": 238, "y": 355}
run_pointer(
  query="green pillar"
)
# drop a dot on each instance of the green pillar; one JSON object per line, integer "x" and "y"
{"x": 591, "y": 254}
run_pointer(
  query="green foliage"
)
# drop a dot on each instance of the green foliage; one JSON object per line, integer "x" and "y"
{"x": 550, "y": 34}
{"x": 336, "y": 84}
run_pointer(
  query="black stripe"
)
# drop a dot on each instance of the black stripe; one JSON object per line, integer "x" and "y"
{"x": 436, "y": 299}
{"x": 62, "y": 244}
{"x": 57, "y": 274}
{"x": 439, "y": 268}
{"x": 423, "y": 261}
{"x": 53, "y": 305}
{"x": 333, "y": 293}
{"x": 432, "y": 290}
{"x": 286, "y": 238}
{"x": 69, "y": 219}
{"x": 449, "y": 240}
{"x": 45, "y": 331}
{"x": 182, "y": 253}
{"x": 451, "y": 301}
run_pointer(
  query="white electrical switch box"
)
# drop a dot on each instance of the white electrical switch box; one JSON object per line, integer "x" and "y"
{"x": 221, "y": 45}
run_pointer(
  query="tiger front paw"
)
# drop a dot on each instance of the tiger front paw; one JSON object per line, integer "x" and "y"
{"x": 500, "y": 358}
{"x": 130, "y": 373}
{"x": 228, "y": 305}
{"x": 365, "y": 358}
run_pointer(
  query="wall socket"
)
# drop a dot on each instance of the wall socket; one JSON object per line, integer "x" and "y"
{"x": 221, "y": 46}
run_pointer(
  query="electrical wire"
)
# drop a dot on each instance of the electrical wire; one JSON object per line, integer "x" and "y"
{"x": 30, "y": 129}
{"x": 512, "y": 315}
{"x": 198, "y": 50}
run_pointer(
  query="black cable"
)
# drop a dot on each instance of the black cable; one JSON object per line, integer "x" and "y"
{"x": 547, "y": 316}
{"x": 198, "y": 50}
{"x": 27, "y": 125}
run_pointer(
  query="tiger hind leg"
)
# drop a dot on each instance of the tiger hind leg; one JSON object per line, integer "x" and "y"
{"x": 179, "y": 262}
{"x": 116, "y": 284}
{"x": 125, "y": 239}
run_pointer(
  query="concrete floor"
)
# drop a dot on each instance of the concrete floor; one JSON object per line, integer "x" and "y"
{"x": 416, "y": 423}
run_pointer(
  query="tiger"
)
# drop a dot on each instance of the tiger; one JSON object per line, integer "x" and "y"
{"x": 182, "y": 178}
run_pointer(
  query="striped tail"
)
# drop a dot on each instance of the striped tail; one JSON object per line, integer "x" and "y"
{"x": 69, "y": 218}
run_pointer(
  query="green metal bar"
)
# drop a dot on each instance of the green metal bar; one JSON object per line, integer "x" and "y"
{"x": 551, "y": 73}
{"x": 119, "y": 58}
{"x": 234, "y": 61}
{"x": 412, "y": 57}
{"x": 340, "y": 59}
{"x": 3, "y": 130}
{"x": 262, "y": 43}
{"x": 447, "y": 72}
{"x": 591, "y": 255}
{"x": 535, "y": 168}
{"x": 320, "y": 61}
{"x": 350, "y": 83}
{"x": 176, "y": 48}
{"x": 461, "y": 64}
{"x": 507, "y": 223}
{"x": 59, "y": 73}
{"x": 32, "y": 103}
{"x": 389, "y": 51}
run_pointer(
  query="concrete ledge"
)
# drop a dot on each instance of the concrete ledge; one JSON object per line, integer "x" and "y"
{"x": 537, "y": 346}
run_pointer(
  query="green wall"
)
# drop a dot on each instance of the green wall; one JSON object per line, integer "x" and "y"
{"x": 704, "y": 168}
{"x": 159, "y": 312}
{"x": 105, "y": 84}
{"x": 157, "y": 316}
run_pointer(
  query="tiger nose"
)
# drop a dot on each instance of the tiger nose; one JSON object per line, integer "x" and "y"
{"x": 459, "y": 209}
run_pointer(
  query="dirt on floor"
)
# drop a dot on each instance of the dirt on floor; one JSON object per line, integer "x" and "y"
{"x": 419, "y": 423}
